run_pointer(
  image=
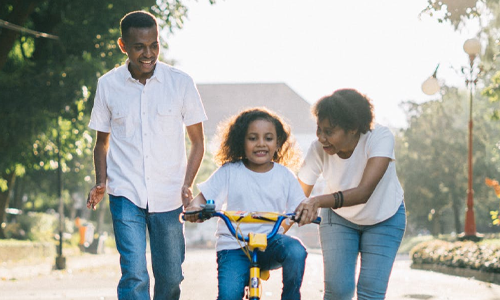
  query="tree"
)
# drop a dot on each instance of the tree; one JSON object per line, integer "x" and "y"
{"x": 432, "y": 156}
{"x": 45, "y": 83}
{"x": 487, "y": 14}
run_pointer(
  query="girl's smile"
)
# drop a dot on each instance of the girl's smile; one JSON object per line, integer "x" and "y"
{"x": 260, "y": 145}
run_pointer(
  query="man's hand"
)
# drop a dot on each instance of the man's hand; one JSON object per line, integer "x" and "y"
{"x": 95, "y": 195}
{"x": 187, "y": 195}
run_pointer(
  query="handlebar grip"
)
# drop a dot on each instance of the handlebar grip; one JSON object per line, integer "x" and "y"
{"x": 316, "y": 221}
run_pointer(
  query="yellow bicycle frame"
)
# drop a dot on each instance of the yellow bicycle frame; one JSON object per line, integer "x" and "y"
{"x": 252, "y": 217}
{"x": 255, "y": 241}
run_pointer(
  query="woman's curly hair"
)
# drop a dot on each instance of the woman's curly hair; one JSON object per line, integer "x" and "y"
{"x": 232, "y": 132}
{"x": 346, "y": 108}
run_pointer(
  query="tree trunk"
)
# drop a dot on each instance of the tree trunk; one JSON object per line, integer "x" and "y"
{"x": 4, "y": 199}
{"x": 456, "y": 215}
{"x": 18, "y": 16}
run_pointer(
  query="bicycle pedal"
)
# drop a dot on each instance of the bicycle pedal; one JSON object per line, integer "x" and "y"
{"x": 264, "y": 275}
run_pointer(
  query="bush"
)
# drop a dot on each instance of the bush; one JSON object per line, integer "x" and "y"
{"x": 36, "y": 226}
{"x": 477, "y": 256}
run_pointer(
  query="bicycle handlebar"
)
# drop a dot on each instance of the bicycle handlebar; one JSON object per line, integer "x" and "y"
{"x": 208, "y": 211}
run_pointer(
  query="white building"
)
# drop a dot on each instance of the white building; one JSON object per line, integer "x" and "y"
{"x": 225, "y": 100}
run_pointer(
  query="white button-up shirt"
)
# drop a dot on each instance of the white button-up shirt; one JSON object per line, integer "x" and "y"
{"x": 146, "y": 159}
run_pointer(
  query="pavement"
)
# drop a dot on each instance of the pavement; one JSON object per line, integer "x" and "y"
{"x": 89, "y": 276}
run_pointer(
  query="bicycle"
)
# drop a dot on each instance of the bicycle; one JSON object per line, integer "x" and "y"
{"x": 254, "y": 241}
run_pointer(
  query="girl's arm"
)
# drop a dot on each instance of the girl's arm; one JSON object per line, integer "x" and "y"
{"x": 373, "y": 173}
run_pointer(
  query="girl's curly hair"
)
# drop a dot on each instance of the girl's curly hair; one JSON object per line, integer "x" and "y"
{"x": 346, "y": 108}
{"x": 232, "y": 134}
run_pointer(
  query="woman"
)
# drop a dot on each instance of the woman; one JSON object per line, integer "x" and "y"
{"x": 362, "y": 211}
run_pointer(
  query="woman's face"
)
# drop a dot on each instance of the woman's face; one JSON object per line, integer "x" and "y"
{"x": 336, "y": 140}
{"x": 260, "y": 145}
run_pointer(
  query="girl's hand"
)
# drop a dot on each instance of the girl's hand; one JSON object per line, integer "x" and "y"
{"x": 307, "y": 211}
{"x": 192, "y": 217}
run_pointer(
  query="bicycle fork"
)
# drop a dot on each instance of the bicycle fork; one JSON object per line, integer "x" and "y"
{"x": 254, "y": 284}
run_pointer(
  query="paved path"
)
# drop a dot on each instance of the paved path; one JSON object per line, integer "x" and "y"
{"x": 95, "y": 277}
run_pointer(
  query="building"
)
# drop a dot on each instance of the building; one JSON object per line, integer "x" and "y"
{"x": 225, "y": 100}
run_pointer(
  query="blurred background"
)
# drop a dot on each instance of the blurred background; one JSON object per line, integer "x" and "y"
{"x": 281, "y": 54}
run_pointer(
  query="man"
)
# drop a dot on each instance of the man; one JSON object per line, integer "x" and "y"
{"x": 139, "y": 112}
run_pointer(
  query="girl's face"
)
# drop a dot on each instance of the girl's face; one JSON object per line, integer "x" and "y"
{"x": 260, "y": 145}
{"x": 336, "y": 140}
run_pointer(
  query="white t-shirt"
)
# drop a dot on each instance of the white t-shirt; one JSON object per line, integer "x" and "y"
{"x": 234, "y": 187}
{"x": 342, "y": 174}
{"x": 146, "y": 160}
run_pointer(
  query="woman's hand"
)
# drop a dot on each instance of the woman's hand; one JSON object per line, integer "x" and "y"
{"x": 307, "y": 211}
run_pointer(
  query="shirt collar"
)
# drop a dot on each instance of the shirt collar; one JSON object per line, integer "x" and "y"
{"x": 157, "y": 74}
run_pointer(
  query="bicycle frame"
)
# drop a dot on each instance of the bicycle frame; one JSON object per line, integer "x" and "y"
{"x": 255, "y": 241}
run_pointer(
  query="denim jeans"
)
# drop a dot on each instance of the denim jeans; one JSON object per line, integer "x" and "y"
{"x": 166, "y": 238}
{"x": 282, "y": 251}
{"x": 342, "y": 241}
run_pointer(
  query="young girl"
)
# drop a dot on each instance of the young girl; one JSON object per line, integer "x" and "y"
{"x": 251, "y": 178}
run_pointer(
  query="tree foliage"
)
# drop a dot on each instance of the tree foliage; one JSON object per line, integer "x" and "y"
{"x": 45, "y": 83}
{"x": 432, "y": 162}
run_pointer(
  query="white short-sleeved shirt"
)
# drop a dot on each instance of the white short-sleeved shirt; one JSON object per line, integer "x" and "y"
{"x": 146, "y": 160}
{"x": 342, "y": 174}
{"x": 234, "y": 187}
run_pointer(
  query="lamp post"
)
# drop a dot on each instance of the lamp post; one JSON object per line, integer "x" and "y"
{"x": 431, "y": 86}
{"x": 472, "y": 47}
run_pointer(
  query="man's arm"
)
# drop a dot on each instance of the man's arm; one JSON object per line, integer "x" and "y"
{"x": 195, "y": 134}
{"x": 100, "y": 152}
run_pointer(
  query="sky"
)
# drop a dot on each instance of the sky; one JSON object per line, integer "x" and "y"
{"x": 384, "y": 49}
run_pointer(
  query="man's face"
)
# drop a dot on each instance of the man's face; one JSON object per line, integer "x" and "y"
{"x": 142, "y": 47}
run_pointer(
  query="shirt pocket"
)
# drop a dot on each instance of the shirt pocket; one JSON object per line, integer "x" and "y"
{"x": 168, "y": 120}
{"x": 121, "y": 124}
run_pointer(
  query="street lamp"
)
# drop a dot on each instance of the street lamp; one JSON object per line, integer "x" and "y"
{"x": 431, "y": 86}
{"x": 472, "y": 47}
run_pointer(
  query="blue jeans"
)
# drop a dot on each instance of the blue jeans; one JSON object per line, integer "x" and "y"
{"x": 282, "y": 251}
{"x": 166, "y": 237}
{"x": 342, "y": 241}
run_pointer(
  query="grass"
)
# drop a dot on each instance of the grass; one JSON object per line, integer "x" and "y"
{"x": 409, "y": 242}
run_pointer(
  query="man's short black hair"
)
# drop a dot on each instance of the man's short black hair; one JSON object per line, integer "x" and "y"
{"x": 137, "y": 19}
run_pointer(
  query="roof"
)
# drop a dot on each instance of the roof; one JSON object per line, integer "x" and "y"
{"x": 222, "y": 101}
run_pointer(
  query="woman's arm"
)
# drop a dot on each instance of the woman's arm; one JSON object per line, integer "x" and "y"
{"x": 307, "y": 211}
{"x": 306, "y": 188}
{"x": 372, "y": 174}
